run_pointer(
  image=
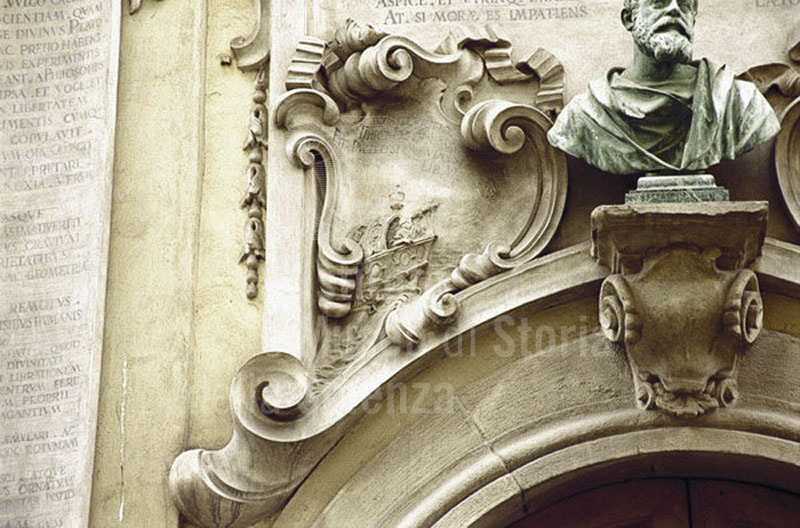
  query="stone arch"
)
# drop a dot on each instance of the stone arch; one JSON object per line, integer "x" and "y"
{"x": 556, "y": 423}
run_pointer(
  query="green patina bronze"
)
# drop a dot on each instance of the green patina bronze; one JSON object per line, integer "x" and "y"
{"x": 664, "y": 112}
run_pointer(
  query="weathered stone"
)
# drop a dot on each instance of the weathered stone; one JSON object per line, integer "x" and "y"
{"x": 680, "y": 299}
{"x": 180, "y": 326}
{"x": 58, "y": 98}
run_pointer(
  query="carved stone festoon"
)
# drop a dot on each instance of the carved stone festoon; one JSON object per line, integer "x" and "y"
{"x": 680, "y": 298}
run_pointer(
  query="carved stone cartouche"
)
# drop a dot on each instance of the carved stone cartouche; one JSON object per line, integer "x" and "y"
{"x": 680, "y": 299}
{"x": 780, "y": 84}
{"x": 293, "y": 401}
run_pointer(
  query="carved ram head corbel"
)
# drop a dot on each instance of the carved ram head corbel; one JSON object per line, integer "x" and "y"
{"x": 681, "y": 302}
{"x": 682, "y": 337}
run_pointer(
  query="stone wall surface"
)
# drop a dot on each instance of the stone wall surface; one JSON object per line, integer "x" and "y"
{"x": 58, "y": 87}
{"x": 177, "y": 322}
{"x": 144, "y": 400}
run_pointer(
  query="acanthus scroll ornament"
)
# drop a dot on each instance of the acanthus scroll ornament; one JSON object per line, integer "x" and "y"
{"x": 348, "y": 101}
{"x": 337, "y": 263}
{"x": 252, "y": 51}
{"x": 364, "y": 63}
{"x": 361, "y": 64}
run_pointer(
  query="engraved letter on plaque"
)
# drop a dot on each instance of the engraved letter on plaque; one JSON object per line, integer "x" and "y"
{"x": 58, "y": 82}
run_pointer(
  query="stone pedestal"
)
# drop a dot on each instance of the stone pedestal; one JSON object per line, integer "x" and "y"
{"x": 677, "y": 188}
{"x": 680, "y": 298}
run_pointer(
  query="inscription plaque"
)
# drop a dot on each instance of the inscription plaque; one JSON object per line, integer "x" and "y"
{"x": 58, "y": 79}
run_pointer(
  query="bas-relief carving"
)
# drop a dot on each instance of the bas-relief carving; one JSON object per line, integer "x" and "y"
{"x": 358, "y": 68}
{"x": 254, "y": 199}
{"x": 386, "y": 105}
{"x": 397, "y": 252}
{"x": 252, "y": 53}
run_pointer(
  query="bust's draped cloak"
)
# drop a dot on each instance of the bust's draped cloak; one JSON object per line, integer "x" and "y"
{"x": 622, "y": 127}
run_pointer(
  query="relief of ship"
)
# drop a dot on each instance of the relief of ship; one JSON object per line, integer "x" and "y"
{"x": 397, "y": 251}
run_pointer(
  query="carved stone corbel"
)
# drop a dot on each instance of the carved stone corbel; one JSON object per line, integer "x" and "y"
{"x": 680, "y": 298}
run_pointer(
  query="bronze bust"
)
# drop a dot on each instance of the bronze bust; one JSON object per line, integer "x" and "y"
{"x": 664, "y": 112}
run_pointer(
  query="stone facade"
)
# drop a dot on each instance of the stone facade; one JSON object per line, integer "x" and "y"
{"x": 350, "y": 283}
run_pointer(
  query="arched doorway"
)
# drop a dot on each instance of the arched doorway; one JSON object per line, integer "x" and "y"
{"x": 671, "y": 503}
{"x": 553, "y": 425}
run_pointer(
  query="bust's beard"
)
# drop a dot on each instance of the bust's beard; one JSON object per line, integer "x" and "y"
{"x": 669, "y": 46}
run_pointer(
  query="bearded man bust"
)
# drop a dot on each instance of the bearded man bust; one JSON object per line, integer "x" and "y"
{"x": 664, "y": 112}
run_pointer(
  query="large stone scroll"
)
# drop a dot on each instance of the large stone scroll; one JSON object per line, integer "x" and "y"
{"x": 58, "y": 83}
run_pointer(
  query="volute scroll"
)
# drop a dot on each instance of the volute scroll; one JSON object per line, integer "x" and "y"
{"x": 386, "y": 270}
